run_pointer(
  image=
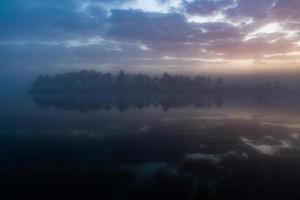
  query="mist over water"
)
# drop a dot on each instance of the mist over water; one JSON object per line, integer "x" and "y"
{"x": 149, "y": 146}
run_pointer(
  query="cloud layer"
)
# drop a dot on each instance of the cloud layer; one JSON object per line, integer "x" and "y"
{"x": 154, "y": 35}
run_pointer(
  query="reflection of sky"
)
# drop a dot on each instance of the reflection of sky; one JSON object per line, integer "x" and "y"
{"x": 20, "y": 109}
{"x": 209, "y": 147}
{"x": 21, "y": 116}
{"x": 267, "y": 149}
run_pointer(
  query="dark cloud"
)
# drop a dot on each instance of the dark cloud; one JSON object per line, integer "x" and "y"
{"x": 256, "y": 9}
{"x": 49, "y": 20}
{"x": 206, "y": 7}
{"x": 220, "y": 31}
{"x": 155, "y": 27}
{"x": 286, "y": 10}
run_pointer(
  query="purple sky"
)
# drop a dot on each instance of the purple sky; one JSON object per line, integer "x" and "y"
{"x": 152, "y": 36}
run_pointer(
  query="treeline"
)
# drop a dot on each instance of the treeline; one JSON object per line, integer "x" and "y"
{"x": 124, "y": 82}
{"x": 97, "y": 81}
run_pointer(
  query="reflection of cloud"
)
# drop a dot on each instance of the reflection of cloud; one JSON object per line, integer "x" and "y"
{"x": 147, "y": 170}
{"x": 216, "y": 158}
{"x": 206, "y": 117}
{"x": 266, "y": 149}
{"x": 295, "y": 135}
{"x": 143, "y": 129}
{"x": 168, "y": 119}
{"x": 209, "y": 157}
{"x": 297, "y": 125}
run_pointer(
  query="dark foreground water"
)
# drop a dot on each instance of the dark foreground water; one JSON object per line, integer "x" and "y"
{"x": 125, "y": 146}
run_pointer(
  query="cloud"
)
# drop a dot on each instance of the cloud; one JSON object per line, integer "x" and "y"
{"x": 169, "y": 31}
{"x": 286, "y": 10}
{"x": 256, "y": 9}
{"x": 206, "y": 7}
{"x": 138, "y": 25}
{"x": 49, "y": 20}
{"x": 147, "y": 33}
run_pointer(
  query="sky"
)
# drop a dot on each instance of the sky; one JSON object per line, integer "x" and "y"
{"x": 152, "y": 36}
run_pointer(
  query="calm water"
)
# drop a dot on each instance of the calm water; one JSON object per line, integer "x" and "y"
{"x": 125, "y": 146}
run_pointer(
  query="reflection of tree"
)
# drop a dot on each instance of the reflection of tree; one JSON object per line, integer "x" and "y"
{"x": 122, "y": 101}
{"x": 86, "y": 102}
{"x": 270, "y": 87}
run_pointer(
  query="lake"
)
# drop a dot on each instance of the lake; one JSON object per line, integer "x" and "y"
{"x": 149, "y": 146}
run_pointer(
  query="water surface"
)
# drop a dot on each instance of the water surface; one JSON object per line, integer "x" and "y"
{"x": 149, "y": 146}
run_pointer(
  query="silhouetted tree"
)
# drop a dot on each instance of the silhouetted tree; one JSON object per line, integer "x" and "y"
{"x": 97, "y": 81}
